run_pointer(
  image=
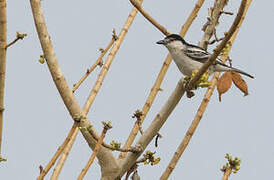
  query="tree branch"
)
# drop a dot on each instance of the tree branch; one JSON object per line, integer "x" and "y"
{"x": 3, "y": 60}
{"x": 138, "y": 6}
{"x": 160, "y": 77}
{"x": 57, "y": 153}
{"x": 173, "y": 100}
{"x": 154, "y": 127}
{"x": 18, "y": 36}
{"x": 74, "y": 109}
{"x": 96, "y": 63}
{"x": 109, "y": 60}
{"x": 210, "y": 27}
{"x": 95, "y": 152}
{"x": 57, "y": 170}
{"x": 184, "y": 143}
{"x": 219, "y": 48}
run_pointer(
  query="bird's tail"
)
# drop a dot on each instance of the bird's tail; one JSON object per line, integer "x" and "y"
{"x": 241, "y": 72}
{"x": 223, "y": 67}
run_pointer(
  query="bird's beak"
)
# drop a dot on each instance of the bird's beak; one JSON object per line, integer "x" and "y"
{"x": 161, "y": 42}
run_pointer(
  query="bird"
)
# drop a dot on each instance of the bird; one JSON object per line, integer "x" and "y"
{"x": 189, "y": 57}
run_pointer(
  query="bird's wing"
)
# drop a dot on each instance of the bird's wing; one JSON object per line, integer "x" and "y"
{"x": 198, "y": 54}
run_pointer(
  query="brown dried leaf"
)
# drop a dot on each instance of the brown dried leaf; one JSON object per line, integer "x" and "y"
{"x": 224, "y": 83}
{"x": 240, "y": 82}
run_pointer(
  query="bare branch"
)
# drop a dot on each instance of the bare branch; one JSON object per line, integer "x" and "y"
{"x": 96, "y": 63}
{"x": 109, "y": 60}
{"x": 212, "y": 22}
{"x": 138, "y": 6}
{"x": 57, "y": 153}
{"x": 219, "y": 48}
{"x": 3, "y": 60}
{"x": 18, "y": 36}
{"x": 160, "y": 77}
{"x": 173, "y": 100}
{"x": 57, "y": 170}
{"x": 67, "y": 96}
{"x": 95, "y": 152}
{"x": 200, "y": 111}
{"x": 155, "y": 126}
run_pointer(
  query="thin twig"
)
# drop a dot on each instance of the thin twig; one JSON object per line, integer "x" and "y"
{"x": 130, "y": 149}
{"x": 226, "y": 12}
{"x": 200, "y": 111}
{"x": 18, "y": 36}
{"x": 160, "y": 77}
{"x": 96, "y": 63}
{"x": 95, "y": 152}
{"x": 57, "y": 153}
{"x": 3, "y": 60}
{"x": 138, "y": 6}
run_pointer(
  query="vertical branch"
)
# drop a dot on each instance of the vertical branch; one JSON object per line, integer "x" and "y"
{"x": 160, "y": 78}
{"x": 3, "y": 43}
{"x": 213, "y": 21}
{"x": 200, "y": 111}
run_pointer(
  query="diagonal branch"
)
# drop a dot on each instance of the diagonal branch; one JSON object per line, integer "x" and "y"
{"x": 138, "y": 6}
{"x": 95, "y": 90}
{"x": 160, "y": 78}
{"x": 65, "y": 152}
{"x": 69, "y": 99}
{"x": 175, "y": 97}
{"x": 19, "y": 36}
{"x": 107, "y": 126}
{"x": 200, "y": 111}
{"x": 109, "y": 60}
{"x": 96, "y": 63}
{"x": 219, "y": 48}
{"x": 57, "y": 153}
{"x": 154, "y": 127}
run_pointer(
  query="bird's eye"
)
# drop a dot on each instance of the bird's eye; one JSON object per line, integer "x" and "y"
{"x": 171, "y": 40}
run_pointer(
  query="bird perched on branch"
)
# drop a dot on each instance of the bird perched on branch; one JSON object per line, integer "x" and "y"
{"x": 189, "y": 57}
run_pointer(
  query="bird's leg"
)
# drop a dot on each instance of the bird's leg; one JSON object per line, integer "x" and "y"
{"x": 189, "y": 93}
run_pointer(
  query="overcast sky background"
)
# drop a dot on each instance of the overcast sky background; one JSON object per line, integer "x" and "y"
{"x": 36, "y": 120}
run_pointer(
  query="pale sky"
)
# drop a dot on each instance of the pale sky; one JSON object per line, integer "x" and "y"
{"x": 37, "y": 122}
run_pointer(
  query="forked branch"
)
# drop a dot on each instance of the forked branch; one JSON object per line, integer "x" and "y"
{"x": 160, "y": 77}
{"x": 200, "y": 111}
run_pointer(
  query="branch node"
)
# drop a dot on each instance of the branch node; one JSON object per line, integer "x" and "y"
{"x": 78, "y": 118}
{"x": 107, "y": 125}
{"x": 114, "y": 35}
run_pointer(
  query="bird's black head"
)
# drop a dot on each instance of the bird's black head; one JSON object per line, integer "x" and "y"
{"x": 171, "y": 38}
